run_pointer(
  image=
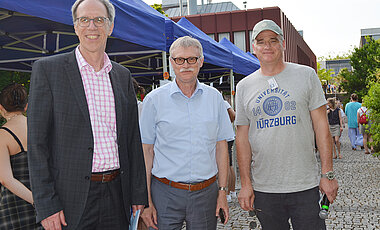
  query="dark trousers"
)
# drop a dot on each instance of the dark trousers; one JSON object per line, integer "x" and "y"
{"x": 175, "y": 206}
{"x": 104, "y": 207}
{"x": 275, "y": 209}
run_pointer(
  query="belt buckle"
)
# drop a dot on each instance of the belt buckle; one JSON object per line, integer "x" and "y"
{"x": 105, "y": 174}
{"x": 189, "y": 187}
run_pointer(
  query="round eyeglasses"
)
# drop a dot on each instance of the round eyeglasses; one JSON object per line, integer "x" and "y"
{"x": 181, "y": 61}
{"x": 85, "y": 21}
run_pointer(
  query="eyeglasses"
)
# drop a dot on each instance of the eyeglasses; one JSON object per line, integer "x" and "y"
{"x": 85, "y": 21}
{"x": 181, "y": 61}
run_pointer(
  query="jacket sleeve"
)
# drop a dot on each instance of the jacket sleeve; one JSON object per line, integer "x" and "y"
{"x": 139, "y": 195}
{"x": 40, "y": 123}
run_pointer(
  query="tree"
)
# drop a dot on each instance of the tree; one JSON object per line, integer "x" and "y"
{"x": 372, "y": 102}
{"x": 324, "y": 75}
{"x": 365, "y": 62}
{"x": 158, "y": 7}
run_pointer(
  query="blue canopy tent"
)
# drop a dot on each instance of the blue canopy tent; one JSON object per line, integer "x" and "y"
{"x": 30, "y": 30}
{"x": 243, "y": 63}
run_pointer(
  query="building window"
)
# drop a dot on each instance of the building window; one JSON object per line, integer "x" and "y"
{"x": 239, "y": 40}
{"x": 224, "y": 35}
{"x": 211, "y": 36}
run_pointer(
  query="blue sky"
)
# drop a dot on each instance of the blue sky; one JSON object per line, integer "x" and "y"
{"x": 330, "y": 27}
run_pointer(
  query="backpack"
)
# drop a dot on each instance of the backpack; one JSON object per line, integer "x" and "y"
{"x": 363, "y": 119}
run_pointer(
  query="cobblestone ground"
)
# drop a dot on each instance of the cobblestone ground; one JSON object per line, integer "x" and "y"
{"x": 358, "y": 203}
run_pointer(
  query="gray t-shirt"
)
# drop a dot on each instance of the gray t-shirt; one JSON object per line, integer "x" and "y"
{"x": 281, "y": 132}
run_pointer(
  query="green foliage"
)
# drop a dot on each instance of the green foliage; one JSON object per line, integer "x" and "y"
{"x": 372, "y": 102}
{"x": 336, "y": 57}
{"x": 365, "y": 61}
{"x": 158, "y": 7}
{"x": 323, "y": 74}
{"x": 7, "y": 77}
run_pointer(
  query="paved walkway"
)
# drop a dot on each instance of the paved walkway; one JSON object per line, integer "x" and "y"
{"x": 358, "y": 203}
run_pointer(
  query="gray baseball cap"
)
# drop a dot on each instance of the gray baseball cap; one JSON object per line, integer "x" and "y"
{"x": 266, "y": 25}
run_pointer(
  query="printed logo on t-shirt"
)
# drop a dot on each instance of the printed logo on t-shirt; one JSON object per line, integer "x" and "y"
{"x": 275, "y": 101}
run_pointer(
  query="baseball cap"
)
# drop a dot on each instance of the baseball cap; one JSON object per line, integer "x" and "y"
{"x": 266, "y": 25}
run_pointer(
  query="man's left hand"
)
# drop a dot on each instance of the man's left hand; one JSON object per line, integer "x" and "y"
{"x": 221, "y": 203}
{"x": 330, "y": 188}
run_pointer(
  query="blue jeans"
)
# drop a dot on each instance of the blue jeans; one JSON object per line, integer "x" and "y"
{"x": 275, "y": 209}
{"x": 353, "y": 135}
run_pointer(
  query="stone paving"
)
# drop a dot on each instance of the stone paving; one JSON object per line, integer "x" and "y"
{"x": 358, "y": 203}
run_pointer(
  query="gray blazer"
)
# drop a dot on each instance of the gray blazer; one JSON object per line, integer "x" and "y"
{"x": 60, "y": 140}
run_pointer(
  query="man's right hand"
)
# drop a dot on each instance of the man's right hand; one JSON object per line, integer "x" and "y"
{"x": 149, "y": 216}
{"x": 55, "y": 221}
{"x": 246, "y": 198}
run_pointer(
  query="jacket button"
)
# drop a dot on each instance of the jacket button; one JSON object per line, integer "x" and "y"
{"x": 90, "y": 149}
{"x": 87, "y": 177}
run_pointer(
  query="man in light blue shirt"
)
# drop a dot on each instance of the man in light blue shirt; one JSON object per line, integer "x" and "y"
{"x": 351, "y": 113}
{"x": 184, "y": 128}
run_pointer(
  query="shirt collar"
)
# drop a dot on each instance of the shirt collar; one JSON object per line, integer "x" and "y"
{"x": 107, "y": 65}
{"x": 175, "y": 89}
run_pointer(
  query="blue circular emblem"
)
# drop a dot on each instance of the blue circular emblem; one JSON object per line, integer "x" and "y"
{"x": 272, "y": 105}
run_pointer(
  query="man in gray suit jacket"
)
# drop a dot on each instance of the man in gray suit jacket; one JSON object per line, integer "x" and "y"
{"x": 85, "y": 156}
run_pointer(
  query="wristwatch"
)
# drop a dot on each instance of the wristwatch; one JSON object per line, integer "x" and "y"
{"x": 330, "y": 175}
{"x": 223, "y": 189}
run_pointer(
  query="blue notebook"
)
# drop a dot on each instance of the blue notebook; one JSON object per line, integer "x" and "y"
{"x": 134, "y": 221}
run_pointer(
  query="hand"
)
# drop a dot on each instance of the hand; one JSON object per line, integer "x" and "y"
{"x": 137, "y": 207}
{"x": 330, "y": 188}
{"x": 246, "y": 198}
{"x": 149, "y": 216}
{"x": 221, "y": 203}
{"x": 55, "y": 221}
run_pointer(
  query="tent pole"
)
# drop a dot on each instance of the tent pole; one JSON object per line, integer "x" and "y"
{"x": 164, "y": 62}
{"x": 234, "y": 163}
{"x": 232, "y": 86}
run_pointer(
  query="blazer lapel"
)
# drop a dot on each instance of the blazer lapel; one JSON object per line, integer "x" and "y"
{"x": 76, "y": 83}
{"x": 117, "y": 92}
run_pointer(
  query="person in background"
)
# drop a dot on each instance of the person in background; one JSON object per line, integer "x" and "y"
{"x": 85, "y": 155}
{"x": 184, "y": 128}
{"x": 279, "y": 109}
{"x": 365, "y": 129}
{"x": 336, "y": 125}
{"x": 138, "y": 91}
{"x": 16, "y": 201}
{"x": 231, "y": 193}
{"x": 352, "y": 117}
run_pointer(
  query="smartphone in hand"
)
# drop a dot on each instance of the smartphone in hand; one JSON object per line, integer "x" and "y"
{"x": 221, "y": 216}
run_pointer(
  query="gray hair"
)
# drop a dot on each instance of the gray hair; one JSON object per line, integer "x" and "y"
{"x": 110, "y": 9}
{"x": 186, "y": 41}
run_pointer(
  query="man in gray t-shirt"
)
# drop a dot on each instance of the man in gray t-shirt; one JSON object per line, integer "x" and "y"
{"x": 276, "y": 110}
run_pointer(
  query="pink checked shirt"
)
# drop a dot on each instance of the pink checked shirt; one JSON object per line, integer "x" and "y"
{"x": 101, "y": 105}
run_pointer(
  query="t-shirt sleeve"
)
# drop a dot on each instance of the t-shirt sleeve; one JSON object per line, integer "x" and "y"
{"x": 316, "y": 96}
{"x": 225, "y": 131}
{"x": 241, "y": 116}
{"x": 147, "y": 122}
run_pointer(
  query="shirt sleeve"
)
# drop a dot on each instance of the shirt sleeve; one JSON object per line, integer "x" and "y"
{"x": 148, "y": 121}
{"x": 225, "y": 131}
{"x": 241, "y": 117}
{"x": 316, "y": 96}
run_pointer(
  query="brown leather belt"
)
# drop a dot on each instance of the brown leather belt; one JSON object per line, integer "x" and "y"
{"x": 105, "y": 177}
{"x": 190, "y": 187}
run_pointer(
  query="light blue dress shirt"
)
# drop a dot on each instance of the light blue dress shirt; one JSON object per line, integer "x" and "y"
{"x": 184, "y": 131}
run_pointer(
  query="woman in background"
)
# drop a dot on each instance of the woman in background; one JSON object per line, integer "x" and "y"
{"x": 336, "y": 125}
{"x": 16, "y": 201}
